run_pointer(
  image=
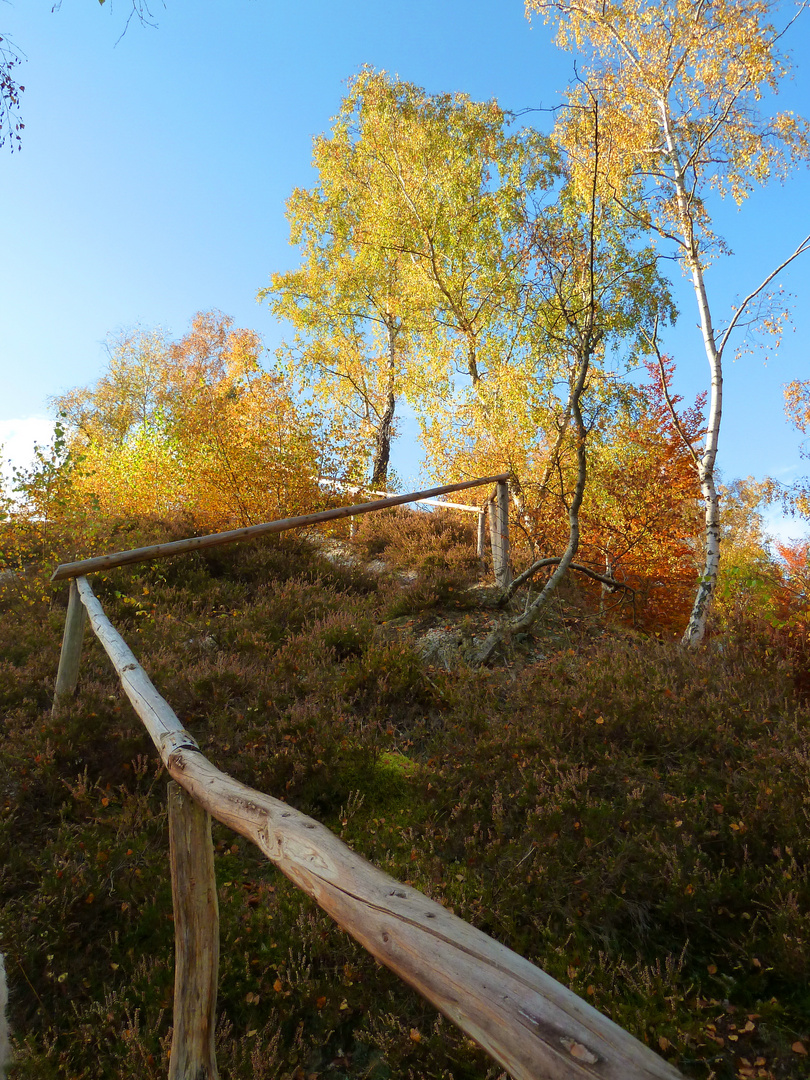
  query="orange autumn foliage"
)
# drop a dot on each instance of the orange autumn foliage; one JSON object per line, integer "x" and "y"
{"x": 640, "y": 519}
{"x": 198, "y": 426}
{"x": 641, "y": 516}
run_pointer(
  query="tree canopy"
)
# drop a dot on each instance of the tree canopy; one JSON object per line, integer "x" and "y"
{"x": 682, "y": 85}
{"x": 197, "y": 425}
{"x": 501, "y": 283}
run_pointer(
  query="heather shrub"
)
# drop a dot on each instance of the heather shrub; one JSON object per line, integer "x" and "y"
{"x": 628, "y": 816}
{"x": 420, "y": 541}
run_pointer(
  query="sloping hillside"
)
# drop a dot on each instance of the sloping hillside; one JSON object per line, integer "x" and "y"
{"x": 632, "y": 819}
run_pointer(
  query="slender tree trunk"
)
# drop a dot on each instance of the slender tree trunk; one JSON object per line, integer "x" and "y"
{"x": 696, "y": 626}
{"x": 587, "y": 340}
{"x": 533, "y": 613}
{"x": 382, "y": 443}
{"x": 605, "y": 587}
{"x": 472, "y": 358}
{"x": 519, "y": 503}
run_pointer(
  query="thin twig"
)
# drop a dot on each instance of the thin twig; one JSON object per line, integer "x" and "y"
{"x": 803, "y": 246}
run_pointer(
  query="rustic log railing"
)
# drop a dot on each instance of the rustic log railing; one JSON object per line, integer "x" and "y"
{"x": 529, "y": 1023}
{"x": 68, "y": 672}
{"x": 496, "y": 541}
{"x": 197, "y": 543}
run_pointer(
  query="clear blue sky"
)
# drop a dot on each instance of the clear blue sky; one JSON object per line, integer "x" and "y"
{"x": 154, "y": 171}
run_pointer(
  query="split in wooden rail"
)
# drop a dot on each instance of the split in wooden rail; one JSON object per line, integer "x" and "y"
{"x": 529, "y": 1023}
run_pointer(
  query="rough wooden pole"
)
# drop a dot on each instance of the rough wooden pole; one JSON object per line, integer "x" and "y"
{"x": 502, "y": 496}
{"x": 531, "y": 1025}
{"x": 499, "y": 534}
{"x": 68, "y": 674}
{"x": 482, "y": 535}
{"x": 196, "y": 939}
{"x": 197, "y": 543}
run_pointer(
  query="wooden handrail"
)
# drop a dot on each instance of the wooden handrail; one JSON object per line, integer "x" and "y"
{"x": 195, "y": 543}
{"x": 529, "y": 1023}
{"x": 440, "y": 503}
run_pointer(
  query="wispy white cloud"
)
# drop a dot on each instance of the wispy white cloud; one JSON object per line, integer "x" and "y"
{"x": 783, "y": 528}
{"x": 18, "y": 439}
{"x": 789, "y": 472}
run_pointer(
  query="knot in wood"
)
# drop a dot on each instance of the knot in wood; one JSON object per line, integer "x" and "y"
{"x": 578, "y": 1051}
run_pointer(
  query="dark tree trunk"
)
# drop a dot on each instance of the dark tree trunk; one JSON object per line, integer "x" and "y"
{"x": 382, "y": 439}
{"x": 382, "y": 444}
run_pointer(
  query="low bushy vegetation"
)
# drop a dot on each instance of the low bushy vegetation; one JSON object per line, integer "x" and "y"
{"x": 630, "y": 817}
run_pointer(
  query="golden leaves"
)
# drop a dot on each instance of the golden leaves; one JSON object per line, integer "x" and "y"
{"x": 411, "y": 244}
{"x": 680, "y": 86}
{"x": 797, "y": 403}
{"x": 195, "y": 424}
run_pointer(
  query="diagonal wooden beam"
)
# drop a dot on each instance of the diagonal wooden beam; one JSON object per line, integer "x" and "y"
{"x": 197, "y": 543}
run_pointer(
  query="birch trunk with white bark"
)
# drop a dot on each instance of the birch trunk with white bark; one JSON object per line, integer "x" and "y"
{"x": 696, "y": 628}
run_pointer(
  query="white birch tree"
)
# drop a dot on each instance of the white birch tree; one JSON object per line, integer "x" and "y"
{"x": 683, "y": 86}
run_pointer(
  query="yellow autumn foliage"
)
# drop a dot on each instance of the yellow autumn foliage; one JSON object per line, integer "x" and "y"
{"x": 197, "y": 425}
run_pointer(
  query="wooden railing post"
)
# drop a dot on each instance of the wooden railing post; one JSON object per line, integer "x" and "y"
{"x": 196, "y": 939}
{"x": 499, "y": 534}
{"x": 482, "y": 535}
{"x": 68, "y": 674}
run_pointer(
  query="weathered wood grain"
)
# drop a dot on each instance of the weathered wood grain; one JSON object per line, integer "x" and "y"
{"x": 197, "y": 543}
{"x": 499, "y": 534}
{"x": 529, "y": 1023}
{"x": 70, "y": 657}
{"x": 196, "y": 938}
